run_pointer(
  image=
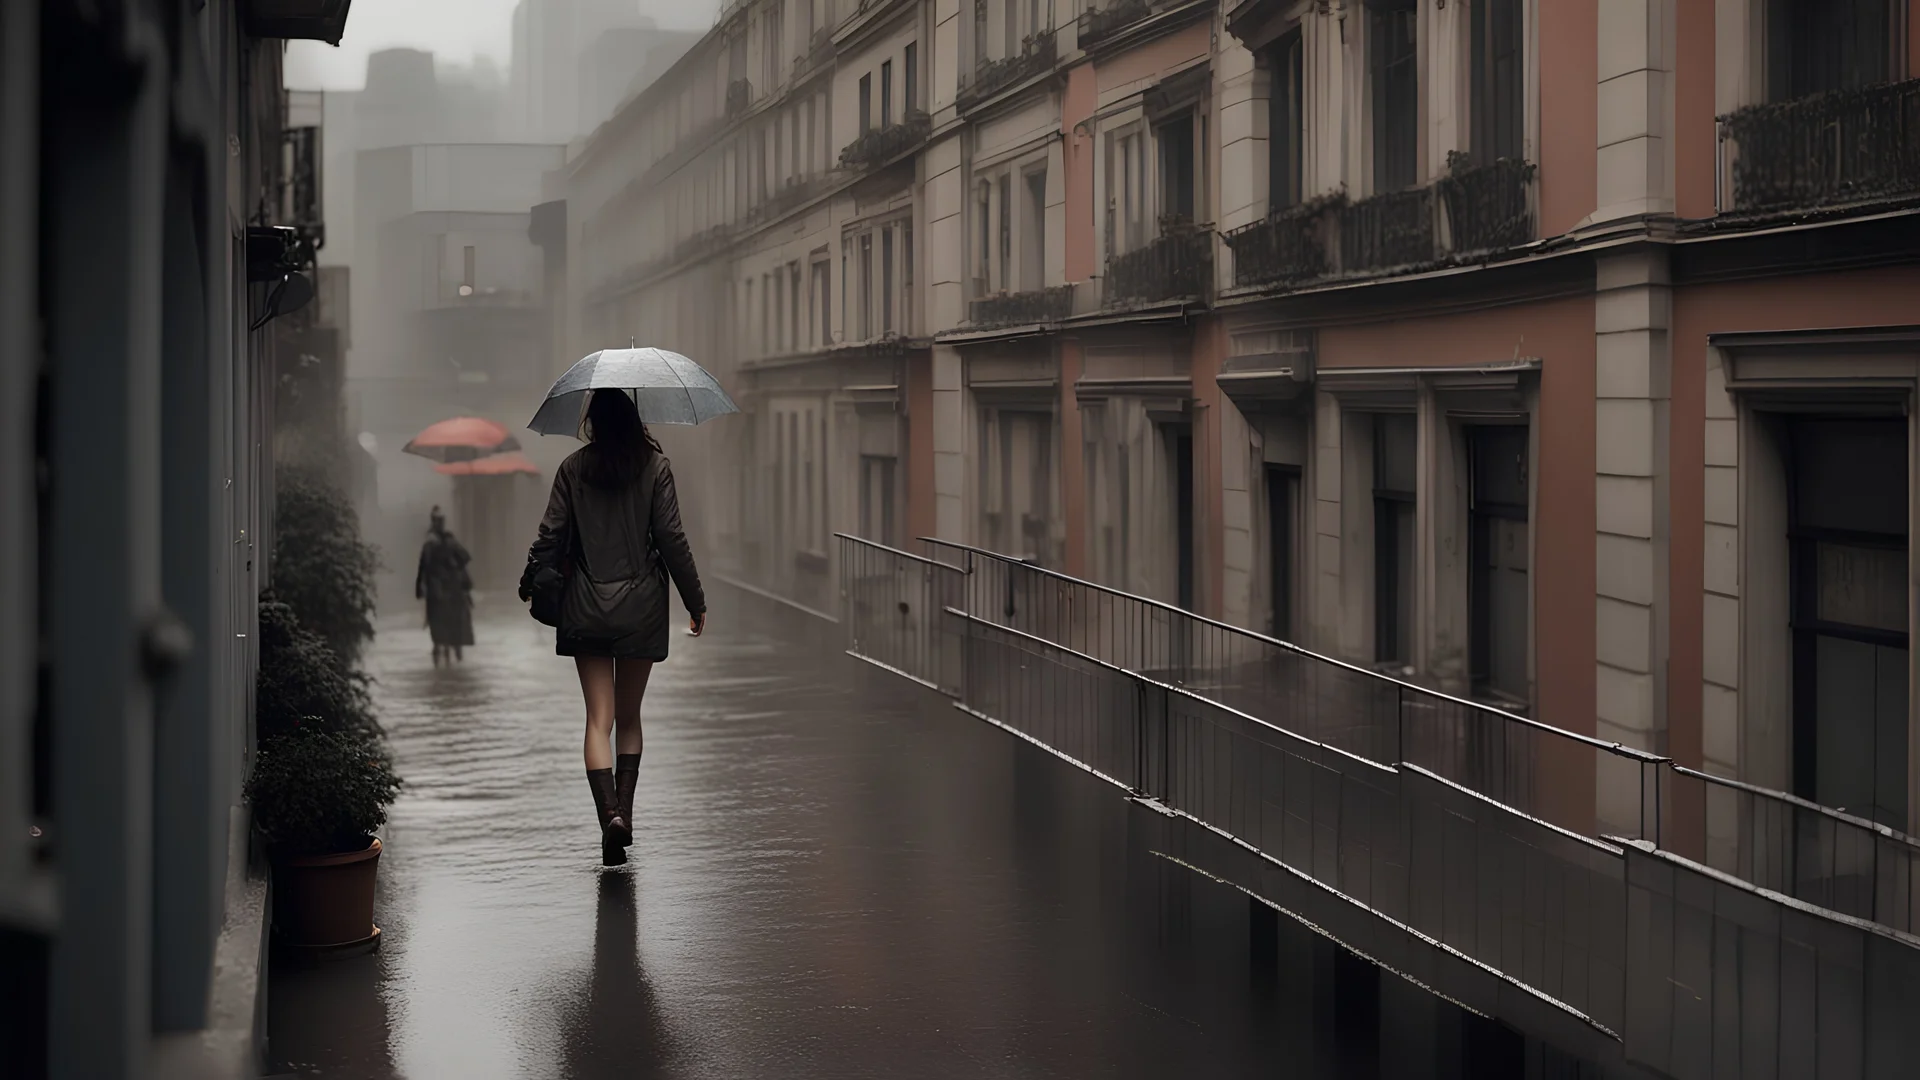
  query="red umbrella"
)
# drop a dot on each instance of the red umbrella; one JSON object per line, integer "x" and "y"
{"x": 462, "y": 438}
{"x": 492, "y": 465}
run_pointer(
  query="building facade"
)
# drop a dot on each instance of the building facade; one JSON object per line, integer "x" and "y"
{"x": 1554, "y": 355}
{"x": 157, "y": 201}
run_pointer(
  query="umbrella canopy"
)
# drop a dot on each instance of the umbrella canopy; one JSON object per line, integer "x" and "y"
{"x": 462, "y": 438}
{"x": 492, "y": 465}
{"x": 668, "y": 388}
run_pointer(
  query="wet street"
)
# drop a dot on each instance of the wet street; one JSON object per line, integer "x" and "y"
{"x": 833, "y": 875}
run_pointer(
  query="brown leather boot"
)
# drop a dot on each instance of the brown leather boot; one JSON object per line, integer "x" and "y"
{"x": 626, "y": 776}
{"x": 614, "y": 833}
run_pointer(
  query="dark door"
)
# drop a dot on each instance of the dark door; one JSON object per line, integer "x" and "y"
{"x": 1183, "y": 511}
{"x": 1497, "y": 571}
{"x": 1281, "y": 481}
{"x": 1847, "y": 506}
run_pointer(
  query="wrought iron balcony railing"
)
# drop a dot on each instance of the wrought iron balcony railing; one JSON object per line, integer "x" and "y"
{"x": 1037, "y": 54}
{"x": 1174, "y": 265}
{"x": 1023, "y": 308}
{"x": 1837, "y": 147}
{"x": 1288, "y": 247}
{"x": 1391, "y": 229}
{"x": 1098, "y": 23}
{"x": 881, "y": 145}
{"x": 1488, "y": 207}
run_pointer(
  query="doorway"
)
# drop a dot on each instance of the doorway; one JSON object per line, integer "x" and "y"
{"x": 1182, "y": 436}
{"x": 1847, "y": 548}
{"x": 1282, "y": 482}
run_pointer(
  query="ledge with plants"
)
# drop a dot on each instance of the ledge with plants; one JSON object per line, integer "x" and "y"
{"x": 322, "y": 775}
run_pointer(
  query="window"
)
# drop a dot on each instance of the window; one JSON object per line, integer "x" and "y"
{"x": 886, "y": 93}
{"x": 794, "y": 307}
{"x": 1182, "y": 436}
{"x": 1393, "y": 72}
{"x": 1498, "y": 563}
{"x": 866, "y": 286}
{"x": 467, "y": 266}
{"x": 1010, "y": 23}
{"x": 1286, "y": 124}
{"x": 823, "y": 302}
{"x": 886, "y": 280}
{"x": 811, "y": 513}
{"x": 1033, "y": 233}
{"x": 1282, "y": 482}
{"x": 906, "y": 277}
{"x": 1004, "y": 188}
{"x": 775, "y": 47}
{"x": 983, "y": 249}
{"x": 1818, "y": 45}
{"x": 866, "y": 103}
{"x": 1499, "y": 100}
{"x": 1394, "y": 457}
{"x": 1847, "y": 542}
{"x": 910, "y": 78}
{"x": 1177, "y": 169}
{"x": 980, "y": 54}
{"x": 807, "y": 154}
{"x": 768, "y": 297}
{"x": 846, "y": 288}
{"x": 876, "y": 498}
{"x": 1126, "y": 194}
{"x": 746, "y": 313}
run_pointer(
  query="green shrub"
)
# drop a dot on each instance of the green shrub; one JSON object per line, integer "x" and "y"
{"x": 321, "y": 791}
{"x": 321, "y": 567}
{"x": 301, "y": 680}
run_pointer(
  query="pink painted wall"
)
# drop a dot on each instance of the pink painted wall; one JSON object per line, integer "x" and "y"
{"x": 1569, "y": 113}
{"x": 1694, "y": 134}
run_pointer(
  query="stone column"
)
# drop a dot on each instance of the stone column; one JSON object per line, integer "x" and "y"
{"x": 1632, "y": 315}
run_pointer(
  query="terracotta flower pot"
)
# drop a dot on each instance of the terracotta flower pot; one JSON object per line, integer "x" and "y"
{"x": 325, "y": 902}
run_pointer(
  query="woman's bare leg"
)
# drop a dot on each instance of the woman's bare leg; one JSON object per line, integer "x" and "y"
{"x": 630, "y": 687}
{"x": 597, "y": 687}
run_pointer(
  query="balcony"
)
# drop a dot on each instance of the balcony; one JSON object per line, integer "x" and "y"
{"x": 881, "y": 145}
{"x": 1489, "y": 207}
{"x": 1023, "y": 308}
{"x": 1097, "y": 24}
{"x": 739, "y": 96}
{"x": 1388, "y": 230}
{"x": 1473, "y": 211}
{"x": 1839, "y": 147}
{"x": 1037, "y": 55}
{"x": 1174, "y": 265}
{"x": 1287, "y": 248}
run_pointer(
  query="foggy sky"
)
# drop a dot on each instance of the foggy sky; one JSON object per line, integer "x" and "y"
{"x": 454, "y": 30}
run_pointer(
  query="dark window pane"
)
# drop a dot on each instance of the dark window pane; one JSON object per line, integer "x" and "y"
{"x": 1394, "y": 71}
{"x": 1851, "y": 475}
{"x": 1395, "y": 454}
{"x": 1818, "y": 45}
{"x": 1286, "y": 124}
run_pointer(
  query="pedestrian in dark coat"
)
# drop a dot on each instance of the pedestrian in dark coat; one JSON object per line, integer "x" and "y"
{"x": 443, "y": 582}
{"x": 613, "y": 528}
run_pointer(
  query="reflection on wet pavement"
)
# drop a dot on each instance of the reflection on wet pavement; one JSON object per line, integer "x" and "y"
{"x": 832, "y": 876}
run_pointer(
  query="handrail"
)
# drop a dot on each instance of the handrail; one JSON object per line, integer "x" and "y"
{"x": 903, "y": 554}
{"x": 1169, "y": 688}
{"x": 1615, "y": 748}
{"x": 1805, "y": 804}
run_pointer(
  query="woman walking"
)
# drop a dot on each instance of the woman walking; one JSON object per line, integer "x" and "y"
{"x": 443, "y": 582}
{"x": 612, "y": 529}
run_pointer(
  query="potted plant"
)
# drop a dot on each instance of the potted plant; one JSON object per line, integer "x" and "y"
{"x": 318, "y": 794}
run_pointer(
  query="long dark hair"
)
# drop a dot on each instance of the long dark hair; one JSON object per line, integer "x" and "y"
{"x": 618, "y": 442}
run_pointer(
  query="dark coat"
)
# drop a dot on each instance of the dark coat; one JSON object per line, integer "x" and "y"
{"x": 617, "y": 548}
{"x": 443, "y": 582}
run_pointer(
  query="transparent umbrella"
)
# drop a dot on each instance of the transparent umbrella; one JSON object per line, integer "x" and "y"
{"x": 668, "y": 388}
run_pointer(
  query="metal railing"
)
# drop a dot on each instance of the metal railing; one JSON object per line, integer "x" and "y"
{"x": 1836, "y": 147}
{"x": 1576, "y": 782}
{"x": 1488, "y": 207}
{"x": 1018, "y": 309}
{"x": 1287, "y": 247}
{"x": 1695, "y": 973}
{"x": 1794, "y": 847}
{"x": 1388, "y": 230}
{"x": 1037, "y": 54}
{"x": 1175, "y": 264}
{"x": 892, "y": 604}
{"x": 881, "y": 145}
{"x": 1097, "y": 23}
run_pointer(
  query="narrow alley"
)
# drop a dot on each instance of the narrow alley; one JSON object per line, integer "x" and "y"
{"x": 832, "y": 876}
